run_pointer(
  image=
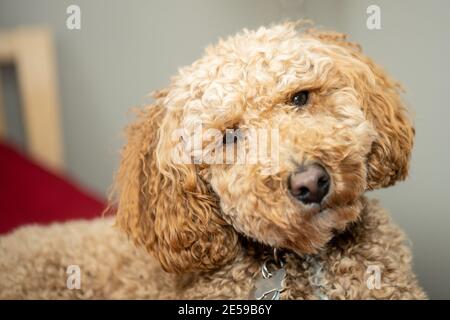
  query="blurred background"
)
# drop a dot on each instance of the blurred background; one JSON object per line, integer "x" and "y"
{"x": 126, "y": 49}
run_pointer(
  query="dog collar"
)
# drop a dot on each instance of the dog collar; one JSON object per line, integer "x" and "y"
{"x": 271, "y": 282}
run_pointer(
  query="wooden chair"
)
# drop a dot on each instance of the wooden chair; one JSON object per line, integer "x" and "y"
{"x": 31, "y": 51}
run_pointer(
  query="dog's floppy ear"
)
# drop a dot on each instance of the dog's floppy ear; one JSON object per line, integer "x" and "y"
{"x": 170, "y": 211}
{"x": 389, "y": 159}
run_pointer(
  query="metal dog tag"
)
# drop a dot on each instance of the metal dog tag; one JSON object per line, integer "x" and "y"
{"x": 269, "y": 286}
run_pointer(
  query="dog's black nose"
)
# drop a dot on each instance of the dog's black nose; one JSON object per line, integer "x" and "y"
{"x": 310, "y": 184}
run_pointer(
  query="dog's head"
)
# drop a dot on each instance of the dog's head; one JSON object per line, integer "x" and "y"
{"x": 333, "y": 123}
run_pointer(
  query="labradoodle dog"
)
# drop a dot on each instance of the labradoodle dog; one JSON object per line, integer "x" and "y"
{"x": 221, "y": 219}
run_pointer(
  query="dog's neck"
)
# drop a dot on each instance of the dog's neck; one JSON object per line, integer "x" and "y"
{"x": 309, "y": 269}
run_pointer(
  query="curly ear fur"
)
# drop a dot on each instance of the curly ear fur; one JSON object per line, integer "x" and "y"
{"x": 170, "y": 212}
{"x": 389, "y": 159}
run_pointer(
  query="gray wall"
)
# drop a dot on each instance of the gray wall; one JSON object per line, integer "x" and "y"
{"x": 125, "y": 49}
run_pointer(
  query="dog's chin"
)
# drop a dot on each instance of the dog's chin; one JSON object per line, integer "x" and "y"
{"x": 322, "y": 223}
{"x": 312, "y": 210}
{"x": 304, "y": 229}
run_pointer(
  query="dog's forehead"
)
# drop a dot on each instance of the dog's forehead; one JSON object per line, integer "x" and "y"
{"x": 253, "y": 53}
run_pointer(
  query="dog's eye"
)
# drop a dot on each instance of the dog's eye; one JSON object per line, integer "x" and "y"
{"x": 300, "y": 98}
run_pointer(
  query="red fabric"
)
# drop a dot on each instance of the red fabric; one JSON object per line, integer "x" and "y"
{"x": 32, "y": 194}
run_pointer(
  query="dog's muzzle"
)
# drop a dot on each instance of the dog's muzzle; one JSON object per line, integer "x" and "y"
{"x": 310, "y": 184}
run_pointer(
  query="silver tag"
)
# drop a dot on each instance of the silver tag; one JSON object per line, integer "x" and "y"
{"x": 269, "y": 286}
